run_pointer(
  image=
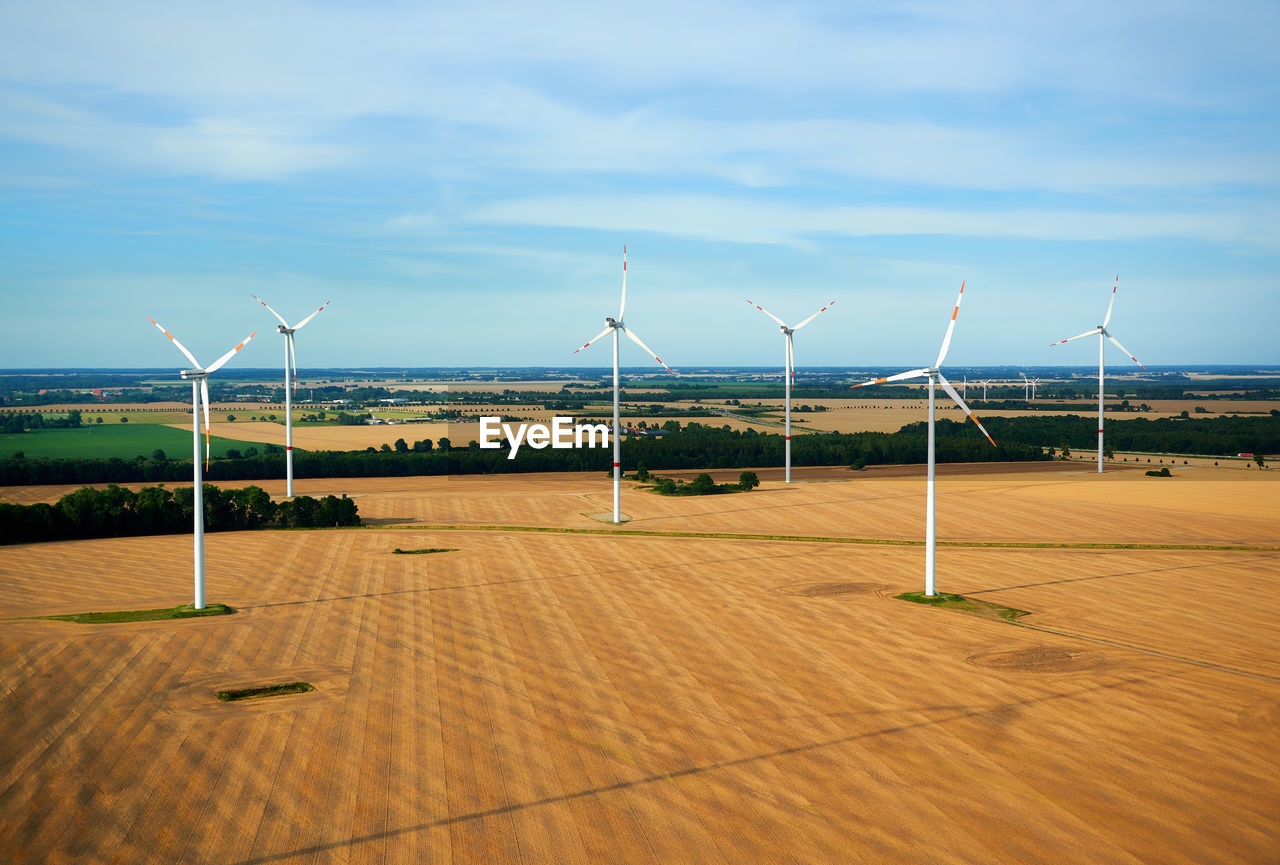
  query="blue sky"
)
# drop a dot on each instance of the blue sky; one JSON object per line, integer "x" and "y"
{"x": 460, "y": 182}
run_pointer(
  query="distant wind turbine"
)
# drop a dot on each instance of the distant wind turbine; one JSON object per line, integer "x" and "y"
{"x": 199, "y": 378}
{"x": 934, "y": 374}
{"x": 290, "y": 363}
{"x": 984, "y": 384}
{"x": 789, "y": 367}
{"x": 1101, "y": 332}
{"x": 615, "y": 326}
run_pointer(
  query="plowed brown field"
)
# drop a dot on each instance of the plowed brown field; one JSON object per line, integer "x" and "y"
{"x": 586, "y": 698}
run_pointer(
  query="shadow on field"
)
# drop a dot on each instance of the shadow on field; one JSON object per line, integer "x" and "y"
{"x": 999, "y": 711}
{"x": 688, "y": 563}
{"x": 1103, "y": 576}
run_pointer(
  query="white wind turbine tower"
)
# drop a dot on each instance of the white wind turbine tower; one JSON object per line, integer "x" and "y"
{"x": 1101, "y": 331}
{"x": 789, "y": 367}
{"x": 290, "y": 362}
{"x": 615, "y": 326}
{"x": 934, "y": 374}
{"x": 199, "y": 378}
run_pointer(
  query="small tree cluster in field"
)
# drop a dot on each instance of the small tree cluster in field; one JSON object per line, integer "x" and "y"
{"x": 119, "y": 512}
{"x": 703, "y": 485}
{"x": 1160, "y": 473}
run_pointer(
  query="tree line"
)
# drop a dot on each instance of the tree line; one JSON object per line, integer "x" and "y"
{"x": 1217, "y": 436}
{"x": 21, "y": 421}
{"x": 119, "y": 512}
{"x": 694, "y": 445}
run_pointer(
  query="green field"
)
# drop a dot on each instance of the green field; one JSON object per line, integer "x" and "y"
{"x": 125, "y": 441}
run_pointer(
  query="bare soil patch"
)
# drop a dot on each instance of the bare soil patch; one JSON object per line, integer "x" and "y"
{"x": 1040, "y": 659}
{"x": 832, "y": 589}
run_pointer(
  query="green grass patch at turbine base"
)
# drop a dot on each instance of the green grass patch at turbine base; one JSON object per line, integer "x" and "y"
{"x": 399, "y": 552}
{"x": 186, "y": 611}
{"x": 965, "y": 605}
{"x": 265, "y": 691}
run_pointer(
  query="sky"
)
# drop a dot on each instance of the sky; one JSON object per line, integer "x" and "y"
{"x": 460, "y": 181}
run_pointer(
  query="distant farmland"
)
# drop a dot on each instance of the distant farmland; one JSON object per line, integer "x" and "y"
{"x": 124, "y": 441}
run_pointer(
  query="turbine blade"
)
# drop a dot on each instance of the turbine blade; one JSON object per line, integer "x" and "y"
{"x": 946, "y": 385}
{"x": 815, "y": 315}
{"x": 623, "y": 308}
{"x": 293, "y": 362}
{"x": 946, "y": 341}
{"x": 1093, "y": 332}
{"x": 217, "y": 364}
{"x": 269, "y": 309}
{"x": 914, "y": 373}
{"x": 313, "y": 315}
{"x": 766, "y": 312}
{"x": 791, "y": 358}
{"x": 182, "y": 348}
{"x": 204, "y": 397}
{"x": 637, "y": 341}
{"x": 1125, "y": 350}
{"x": 1106, "y": 321}
{"x": 604, "y": 332}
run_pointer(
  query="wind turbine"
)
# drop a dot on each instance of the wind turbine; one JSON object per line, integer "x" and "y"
{"x": 964, "y": 387}
{"x": 935, "y": 376}
{"x": 199, "y": 378}
{"x": 615, "y": 326}
{"x": 290, "y": 362}
{"x": 984, "y": 384}
{"x": 1026, "y": 387}
{"x": 789, "y": 366}
{"x": 1101, "y": 331}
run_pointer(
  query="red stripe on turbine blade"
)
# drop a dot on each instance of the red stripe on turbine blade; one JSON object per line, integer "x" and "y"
{"x": 955, "y": 312}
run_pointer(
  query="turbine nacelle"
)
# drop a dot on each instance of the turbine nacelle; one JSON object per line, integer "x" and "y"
{"x": 280, "y": 328}
{"x": 193, "y": 373}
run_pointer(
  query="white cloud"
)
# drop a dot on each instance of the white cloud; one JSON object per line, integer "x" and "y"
{"x": 221, "y": 146}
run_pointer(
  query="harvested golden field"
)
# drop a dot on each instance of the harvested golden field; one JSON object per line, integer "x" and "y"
{"x": 870, "y": 415}
{"x": 586, "y": 697}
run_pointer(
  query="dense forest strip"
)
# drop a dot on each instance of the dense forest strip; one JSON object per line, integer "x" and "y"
{"x": 700, "y": 446}
{"x": 118, "y": 512}
{"x": 818, "y": 539}
{"x": 692, "y": 446}
{"x": 1218, "y": 436}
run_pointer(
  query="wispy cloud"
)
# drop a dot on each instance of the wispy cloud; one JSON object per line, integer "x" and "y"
{"x": 754, "y": 221}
